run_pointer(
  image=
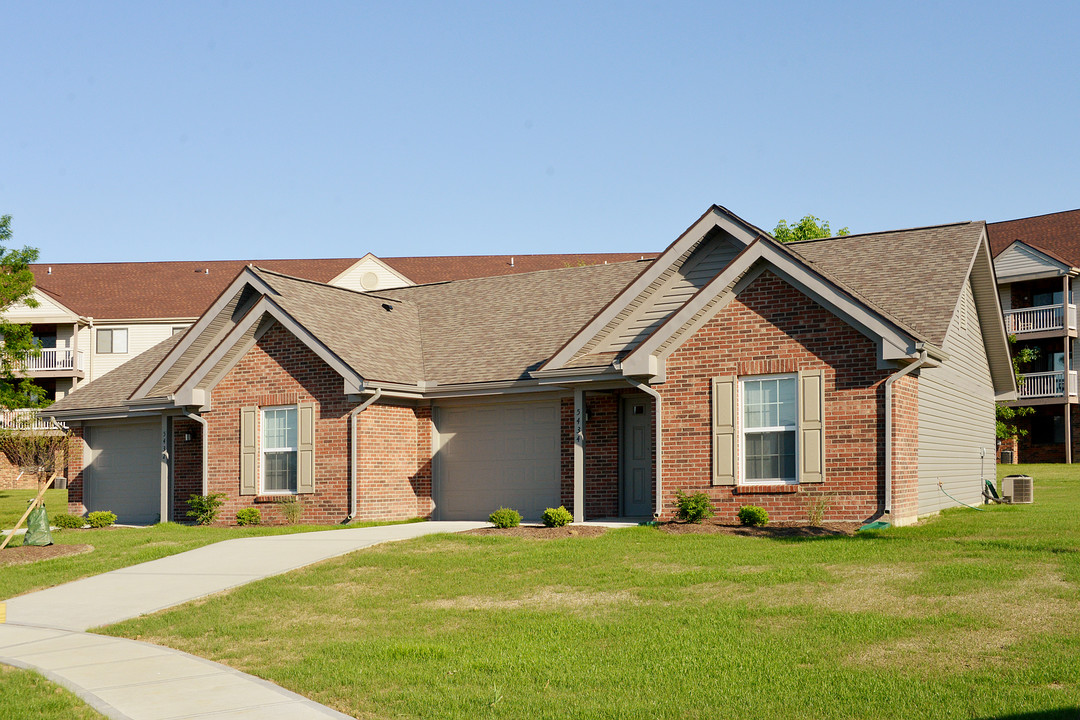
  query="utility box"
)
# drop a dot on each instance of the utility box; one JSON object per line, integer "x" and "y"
{"x": 1018, "y": 489}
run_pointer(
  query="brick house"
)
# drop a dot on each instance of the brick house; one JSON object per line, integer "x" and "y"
{"x": 859, "y": 372}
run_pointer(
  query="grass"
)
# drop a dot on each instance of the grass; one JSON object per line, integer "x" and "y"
{"x": 118, "y": 547}
{"x": 973, "y": 614}
{"x": 25, "y": 694}
{"x": 13, "y": 504}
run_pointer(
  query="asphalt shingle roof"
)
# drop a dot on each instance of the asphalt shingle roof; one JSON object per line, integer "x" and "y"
{"x": 1057, "y": 234}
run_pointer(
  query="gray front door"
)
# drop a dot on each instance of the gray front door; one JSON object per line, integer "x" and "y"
{"x": 635, "y": 481}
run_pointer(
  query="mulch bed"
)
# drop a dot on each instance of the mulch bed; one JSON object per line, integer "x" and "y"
{"x": 539, "y": 532}
{"x": 30, "y": 553}
{"x": 776, "y": 530}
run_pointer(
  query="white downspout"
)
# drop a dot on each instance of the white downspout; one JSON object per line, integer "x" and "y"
{"x": 353, "y": 472}
{"x": 889, "y": 423}
{"x": 205, "y": 464}
{"x": 659, "y": 446}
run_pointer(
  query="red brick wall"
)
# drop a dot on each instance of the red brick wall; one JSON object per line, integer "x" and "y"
{"x": 772, "y": 328}
{"x": 187, "y": 465}
{"x": 76, "y": 450}
{"x": 905, "y": 459}
{"x": 279, "y": 369}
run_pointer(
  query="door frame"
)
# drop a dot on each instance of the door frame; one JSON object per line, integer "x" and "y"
{"x": 624, "y": 438}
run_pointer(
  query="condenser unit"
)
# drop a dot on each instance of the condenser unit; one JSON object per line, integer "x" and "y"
{"x": 1018, "y": 489}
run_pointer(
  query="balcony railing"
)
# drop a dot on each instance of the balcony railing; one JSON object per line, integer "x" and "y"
{"x": 25, "y": 420}
{"x": 55, "y": 359}
{"x": 1040, "y": 319}
{"x": 1047, "y": 385}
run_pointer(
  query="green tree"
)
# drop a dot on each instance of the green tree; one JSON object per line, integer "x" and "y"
{"x": 809, "y": 228}
{"x": 16, "y": 340}
{"x": 1007, "y": 417}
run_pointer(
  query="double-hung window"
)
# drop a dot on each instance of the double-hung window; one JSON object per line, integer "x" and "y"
{"x": 279, "y": 450}
{"x": 769, "y": 429}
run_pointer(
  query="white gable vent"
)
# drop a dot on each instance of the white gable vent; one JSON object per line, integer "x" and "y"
{"x": 1018, "y": 489}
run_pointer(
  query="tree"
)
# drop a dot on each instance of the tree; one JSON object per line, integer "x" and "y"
{"x": 809, "y": 228}
{"x": 16, "y": 285}
{"x": 1007, "y": 417}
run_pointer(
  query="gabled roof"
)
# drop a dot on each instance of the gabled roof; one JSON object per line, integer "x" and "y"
{"x": 1057, "y": 234}
{"x": 185, "y": 289}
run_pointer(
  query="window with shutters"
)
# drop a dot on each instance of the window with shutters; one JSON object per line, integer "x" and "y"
{"x": 279, "y": 450}
{"x": 768, "y": 429}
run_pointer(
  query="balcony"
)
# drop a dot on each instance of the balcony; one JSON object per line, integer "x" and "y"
{"x": 1047, "y": 385}
{"x": 26, "y": 420}
{"x": 56, "y": 360}
{"x": 1046, "y": 318}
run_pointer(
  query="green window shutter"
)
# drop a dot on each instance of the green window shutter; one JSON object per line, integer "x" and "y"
{"x": 811, "y": 426}
{"x": 305, "y": 450}
{"x": 249, "y": 452}
{"x": 723, "y": 430}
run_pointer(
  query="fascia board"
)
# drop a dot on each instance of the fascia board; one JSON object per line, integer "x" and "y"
{"x": 713, "y": 218}
{"x": 895, "y": 343}
{"x": 1000, "y": 353}
{"x": 245, "y": 277}
{"x": 1023, "y": 277}
{"x": 354, "y": 383}
{"x": 107, "y": 413}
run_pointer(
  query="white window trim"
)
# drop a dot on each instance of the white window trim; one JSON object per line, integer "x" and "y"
{"x": 740, "y": 430}
{"x": 112, "y": 334}
{"x": 263, "y": 450}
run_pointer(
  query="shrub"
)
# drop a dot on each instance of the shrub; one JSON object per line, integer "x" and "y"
{"x": 66, "y": 521}
{"x": 101, "y": 518}
{"x": 248, "y": 516}
{"x": 816, "y": 505}
{"x": 693, "y": 508}
{"x": 291, "y": 509}
{"x": 753, "y": 515}
{"x": 203, "y": 509}
{"x": 505, "y": 518}
{"x": 557, "y": 517}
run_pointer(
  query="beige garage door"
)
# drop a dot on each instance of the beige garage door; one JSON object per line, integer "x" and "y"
{"x": 497, "y": 455}
{"x": 125, "y": 470}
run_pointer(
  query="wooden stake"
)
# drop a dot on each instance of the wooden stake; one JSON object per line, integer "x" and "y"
{"x": 34, "y": 504}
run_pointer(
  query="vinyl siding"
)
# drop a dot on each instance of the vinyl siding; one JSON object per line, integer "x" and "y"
{"x": 956, "y": 417}
{"x": 1023, "y": 260}
{"x": 1005, "y": 295}
{"x": 141, "y": 337}
{"x": 667, "y": 295}
{"x": 352, "y": 279}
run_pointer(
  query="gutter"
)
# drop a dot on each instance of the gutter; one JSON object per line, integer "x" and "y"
{"x": 205, "y": 462}
{"x": 659, "y": 445}
{"x": 923, "y": 357}
{"x": 353, "y": 471}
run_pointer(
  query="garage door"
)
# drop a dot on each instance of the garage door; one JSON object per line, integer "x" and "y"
{"x": 497, "y": 455}
{"x": 125, "y": 470}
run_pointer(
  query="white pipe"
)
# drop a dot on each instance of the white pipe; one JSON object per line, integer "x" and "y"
{"x": 659, "y": 446}
{"x": 205, "y": 464}
{"x": 353, "y": 472}
{"x": 888, "y": 425}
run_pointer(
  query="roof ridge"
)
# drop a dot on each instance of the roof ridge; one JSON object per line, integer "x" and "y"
{"x": 1032, "y": 217}
{"x": 884, "y": 232}
{"x": 520, "y": 274}
{"x": 325, "y": 285}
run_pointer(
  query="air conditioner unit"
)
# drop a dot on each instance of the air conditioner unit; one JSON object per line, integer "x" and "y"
{"x": 1006, "y": 457}
{"x": 1018, "y": 489}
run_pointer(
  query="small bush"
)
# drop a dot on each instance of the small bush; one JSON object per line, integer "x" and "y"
{"x": 693, "y": 508}
{"x": 291, "y": 509}
{"x": 203, "y": 509}
{"x": 753, "y": 515}
{"x": 66, "y": 521}
{"x": 505, "y": 518}
{"x": 248, "y": 516}
{"x": 557, "y": 517}
{"x": 101, "y": 518}
{"x": 816, "y": 505}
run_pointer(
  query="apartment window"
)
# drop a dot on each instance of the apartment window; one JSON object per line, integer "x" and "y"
{"x": 768, "y": 428}
{"x": 279, "y": 450}
{"x": 112, "y": 341}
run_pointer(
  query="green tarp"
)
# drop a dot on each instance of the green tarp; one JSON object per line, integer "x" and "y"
{"x": 37, "y": 527}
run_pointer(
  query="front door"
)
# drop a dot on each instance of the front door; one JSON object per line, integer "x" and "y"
{"x": 635, "y": 477}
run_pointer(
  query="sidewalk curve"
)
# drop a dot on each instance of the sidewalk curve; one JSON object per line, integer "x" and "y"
{"x": 131, "y": 680}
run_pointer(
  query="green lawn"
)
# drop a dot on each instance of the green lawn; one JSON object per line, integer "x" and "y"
{"x": 114, "y": 547}
{"x": 13, "y": 504}
{"x": 25, "y": 694}
{"x": 974, "y": 614}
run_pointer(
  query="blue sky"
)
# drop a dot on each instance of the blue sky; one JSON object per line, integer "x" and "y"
{"x": 219, "y": 130}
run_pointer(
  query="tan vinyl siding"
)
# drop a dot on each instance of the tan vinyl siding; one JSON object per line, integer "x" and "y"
{"x": 1005, "y": 295}
{"x": 140, "y": 337}
{"x": 668, "y": 294}
{"x": 1022, "y": 260}
{"x": 956, "y": 417}
{"x": 353, "y": 278}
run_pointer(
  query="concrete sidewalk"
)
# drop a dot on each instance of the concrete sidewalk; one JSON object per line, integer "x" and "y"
{"x": 138, "y": 681}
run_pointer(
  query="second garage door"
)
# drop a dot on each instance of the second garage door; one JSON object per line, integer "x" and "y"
{"x": 125, "y": 471}
{"x": 497, "y": 455}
